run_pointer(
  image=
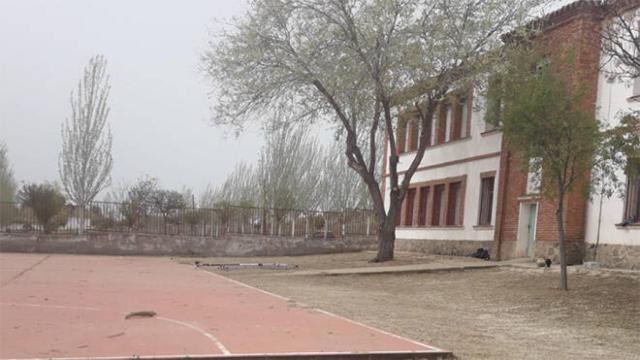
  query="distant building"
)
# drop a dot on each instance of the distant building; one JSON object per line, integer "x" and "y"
{"x": 470, "y": 191}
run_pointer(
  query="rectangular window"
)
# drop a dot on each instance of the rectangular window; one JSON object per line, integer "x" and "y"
{"x": 433, "y": 130}
{"x": 494, "y": 105}
{"x": 401, "y": 136}
{"x": 422, "y": 205}
{"x": 464, "y": 115}
{"x": 438, "y": 205}
{"x": 454, "y": 213}
{"x": 486, "y": 200}
{"x": 632, "y": 198}
{"x": 410, "y": 200}
{"x": 412, "y": 135}
{"x": 441, "y": 124}
{"x": 534, "y": 176}
{"x": 458, "y": 120}
{"x": 447, "y": 123}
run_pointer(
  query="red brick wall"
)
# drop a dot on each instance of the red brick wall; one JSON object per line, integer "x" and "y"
{"x": 571, "y": 33}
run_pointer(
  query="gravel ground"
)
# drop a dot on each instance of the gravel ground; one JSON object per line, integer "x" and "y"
{"x": 500, "y": 313}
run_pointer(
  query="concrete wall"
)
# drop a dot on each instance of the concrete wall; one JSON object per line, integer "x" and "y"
{"x": 441, "y": 247}
{"x": 612, "y": 102}
{"x": 618, "y": 246}
{"x": 143, "y": 244}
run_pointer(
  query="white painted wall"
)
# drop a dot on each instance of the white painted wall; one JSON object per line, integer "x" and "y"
{"x": 475, "y": 145}
{"x": 611, "y": 102}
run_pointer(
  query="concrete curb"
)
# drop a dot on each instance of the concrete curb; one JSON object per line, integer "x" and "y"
{"x": 404, "y": 269}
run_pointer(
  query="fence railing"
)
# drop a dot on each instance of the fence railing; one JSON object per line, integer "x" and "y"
{"x": 144, "y": 218}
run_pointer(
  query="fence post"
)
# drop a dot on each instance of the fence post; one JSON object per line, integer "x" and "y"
{"x": 306, "y": 226}
{"x": 272, "y": 224}
{"x": 293, "y": 224}
{"x": 81, "y": 229}
{"x": 369, "y": 225}
{"x": 344, "y": 224}
{"x": 326, "y": 225}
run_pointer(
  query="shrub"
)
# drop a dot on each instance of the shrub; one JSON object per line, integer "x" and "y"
{"x": 46, "y": 202}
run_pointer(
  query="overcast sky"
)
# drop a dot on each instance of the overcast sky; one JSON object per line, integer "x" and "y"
{"x": 159, "y": 103}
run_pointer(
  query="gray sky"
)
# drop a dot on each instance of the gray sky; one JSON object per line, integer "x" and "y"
{"x": 159, "y": 105}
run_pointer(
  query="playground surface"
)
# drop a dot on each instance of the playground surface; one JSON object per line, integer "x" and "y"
{"x": 69, "y": 306}
{"x": 506, "y": 312}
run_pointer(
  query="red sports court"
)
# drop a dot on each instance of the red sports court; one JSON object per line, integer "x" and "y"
{"x": 66, "y": 306}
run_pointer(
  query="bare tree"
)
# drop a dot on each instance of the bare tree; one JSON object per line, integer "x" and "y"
{"x": 355, "y": 64}
{"x": 341, "y": 188}
{"x": 85, "y": 160}
{"x": 239, "y": 188}
{"x": 621, "y": 36}
{"x": 7, "y": 181}
{"x": 288, "y": 171}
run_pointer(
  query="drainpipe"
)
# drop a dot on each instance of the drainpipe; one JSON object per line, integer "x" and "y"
{"x": 595, "y": 249}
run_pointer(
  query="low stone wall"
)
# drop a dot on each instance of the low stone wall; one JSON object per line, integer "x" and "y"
{"x": 547, "y": 250}
{"x": 551, "y": 250}
{"x": 614, "y": 256}
{"x": 442, "y": 247}
{"x": 174, "y": 245}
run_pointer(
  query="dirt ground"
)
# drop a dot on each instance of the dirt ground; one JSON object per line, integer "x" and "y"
{"x": 502, "y": 313}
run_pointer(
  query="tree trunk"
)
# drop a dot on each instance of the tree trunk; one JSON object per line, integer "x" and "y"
{"x": 386, "y": 240}
{"x": 563, "y": 258}
{"x": 82, "y": 220}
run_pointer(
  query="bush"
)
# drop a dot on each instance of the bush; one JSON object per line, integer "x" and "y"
{"x": 46, "y": 202}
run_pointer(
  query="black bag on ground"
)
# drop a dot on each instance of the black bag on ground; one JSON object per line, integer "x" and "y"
{"x": 481, "y": 253}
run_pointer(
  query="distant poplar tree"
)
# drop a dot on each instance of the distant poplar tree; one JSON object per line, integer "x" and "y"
{"x": 7, "y": 181}
{"x": 85, "y": 160}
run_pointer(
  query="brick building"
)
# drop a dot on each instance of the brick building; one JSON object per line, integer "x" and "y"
{"x": 471, "y": 192}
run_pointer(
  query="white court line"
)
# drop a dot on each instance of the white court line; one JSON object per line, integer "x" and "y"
{"x": 215, "y": 340}
{"x": 430, "y": 348}
{"x": 52, "y": 306}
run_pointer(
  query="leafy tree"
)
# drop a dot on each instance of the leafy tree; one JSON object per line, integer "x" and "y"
{"x": 353, "y": 64}
{"x": 138, "y": 201}
{"x": 167, "y": 202}
{"x": 7, "y": 181}
{"x": 46, "y": 201}
{"x": 545, "y": 123}
{"x": 85, "y": 160}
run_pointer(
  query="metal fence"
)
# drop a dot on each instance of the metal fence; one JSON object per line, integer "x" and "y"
{"x": 143, "y": 218}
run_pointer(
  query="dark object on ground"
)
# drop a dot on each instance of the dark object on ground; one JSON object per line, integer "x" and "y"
{"x": 481, "y": 253}
{"x": 140, "y": 314}
{"x": 547, "y": 262}
{"x": 260, "y": 266}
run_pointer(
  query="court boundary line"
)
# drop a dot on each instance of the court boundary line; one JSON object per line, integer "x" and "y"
{"x": 86, "y": 308}
{"x": 243, "y": 355}
{"x": 31, "y": 267}
{"x": 211, "y": 337}
{"x": 433, "y": 348}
